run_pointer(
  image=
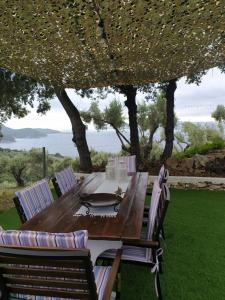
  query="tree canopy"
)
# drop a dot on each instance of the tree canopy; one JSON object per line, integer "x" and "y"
{"x": 219, "y": 113}
{"x": 18, "y": 92}
{"x": 83, "y": 44}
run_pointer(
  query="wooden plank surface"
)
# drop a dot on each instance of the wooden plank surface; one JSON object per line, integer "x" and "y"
{"x": 58, "y": 217}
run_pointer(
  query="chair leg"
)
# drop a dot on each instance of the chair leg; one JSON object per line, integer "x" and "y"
{"x": 160, "y": 267}
{"x": 158, "y": 286}
{"x": 163, "y": 233}
{"x": 118, "y": 285}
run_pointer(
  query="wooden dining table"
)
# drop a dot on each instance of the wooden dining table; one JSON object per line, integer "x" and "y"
{"x": 126, "y": 226}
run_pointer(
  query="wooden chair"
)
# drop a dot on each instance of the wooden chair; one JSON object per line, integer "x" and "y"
{"x": 146, "y": 251}
{"x": 52, "y": 265}
{"x": 54, "y": 273}
{"x": 162, "y": 179}
{"x": 64, "y": 181}
{"x": 30, "y": 201}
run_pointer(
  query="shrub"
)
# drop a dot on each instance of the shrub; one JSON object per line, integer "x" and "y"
{"x": 217, "y": 143}
{"x": 99, "y": 159}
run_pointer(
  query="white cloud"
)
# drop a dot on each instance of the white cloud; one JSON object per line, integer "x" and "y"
{"x": 196, "y": 103}
{"x": 54, "y": 120}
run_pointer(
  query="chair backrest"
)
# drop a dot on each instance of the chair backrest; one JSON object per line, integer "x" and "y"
{"x": 27, "y": 238}
{"x": 30, "y": 201}
{"x": 162, "y": 209}
{"x": 163, "y": 175}
{"x": 65, "y": 180}
{"x": 153, "y": 209}
{"x": 51, "y": 274}
{"x": 130, "y": 162}
{"x": 160, "y": 205}
{"x": 31, "y": 268}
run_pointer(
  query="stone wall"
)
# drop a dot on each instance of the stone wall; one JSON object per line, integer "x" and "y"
{"x": 212, "y": 164}
{"x": 187, "y": 182}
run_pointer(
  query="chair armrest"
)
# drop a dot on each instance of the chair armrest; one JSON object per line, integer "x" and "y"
{"x": 143, "y": 243}
{"x": 112, "y": 276}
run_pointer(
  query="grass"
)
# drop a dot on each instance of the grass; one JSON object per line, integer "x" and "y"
{"x": 6, "y": 197}
{"x": 7, "y": 192}
{"x": 9, "y": 219}
{"x": 194, "y": 251}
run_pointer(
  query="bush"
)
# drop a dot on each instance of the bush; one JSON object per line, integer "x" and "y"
{"x": 217, "y": 143}
{"x": 99, "y": 159}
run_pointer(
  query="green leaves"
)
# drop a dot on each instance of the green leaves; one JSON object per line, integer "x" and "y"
{"x": 114, "y": 114}
{"x": 219, "y": 113}
{"x": 151, "y": 115}
{"x": 199, "y": 138}
{"x": 111, "y": 115}
{"x": 18, "y": 94}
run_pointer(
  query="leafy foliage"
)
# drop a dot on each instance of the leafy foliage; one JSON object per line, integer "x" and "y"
{"x": 219, "y": 113}
{"x": 216, "y": 144}
{"x": 151, "y": 115}
{"x": 198, "y": 139}
{"x": 195, "y": 78}
{"x": 11, "y": 161}
{"x": 194, "y": 135}
{"x": 32, "y": 167}
{"x": 111, "y": 115}
{"x": 19, "y": 92}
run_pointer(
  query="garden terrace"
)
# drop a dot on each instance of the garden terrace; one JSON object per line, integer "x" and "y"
{"x": 193, "y": 252}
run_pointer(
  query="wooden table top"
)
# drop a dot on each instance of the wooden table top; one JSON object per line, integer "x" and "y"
{"x": 58, "y": 217}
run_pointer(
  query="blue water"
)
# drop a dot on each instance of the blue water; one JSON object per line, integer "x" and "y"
{"x": 62, "y": 143}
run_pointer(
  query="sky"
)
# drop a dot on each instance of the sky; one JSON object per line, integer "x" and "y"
{"x": 192, "y": 103}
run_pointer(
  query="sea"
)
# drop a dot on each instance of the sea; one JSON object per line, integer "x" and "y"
{"x": 106, "y": 141}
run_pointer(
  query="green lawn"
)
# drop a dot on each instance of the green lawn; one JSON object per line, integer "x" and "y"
{"x": 194, "y": 251}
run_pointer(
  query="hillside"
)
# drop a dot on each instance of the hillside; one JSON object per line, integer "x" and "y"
{"x": 10, "y": 135}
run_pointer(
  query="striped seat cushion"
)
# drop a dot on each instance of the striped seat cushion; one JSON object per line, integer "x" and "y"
{"x": 35, "y": 198}
{"x": 131, "y": 253}
{"x": 76, "y": 239}
{"x": 66, "y": 179}
{"x": 101, "y": 278}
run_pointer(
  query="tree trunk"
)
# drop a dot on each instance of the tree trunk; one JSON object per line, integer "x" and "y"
{"x": 17, "y": 174}
{"x": 78, "y": 128}
{"x": 148, "y": 146}
{"x": 130, "y": 91}
{"x": 169, "y": 129}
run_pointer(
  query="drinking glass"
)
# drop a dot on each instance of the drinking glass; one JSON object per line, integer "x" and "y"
{"x": 121, "y": 171}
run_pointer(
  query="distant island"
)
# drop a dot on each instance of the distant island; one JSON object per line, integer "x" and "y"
{"x": 10, "y": 135}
